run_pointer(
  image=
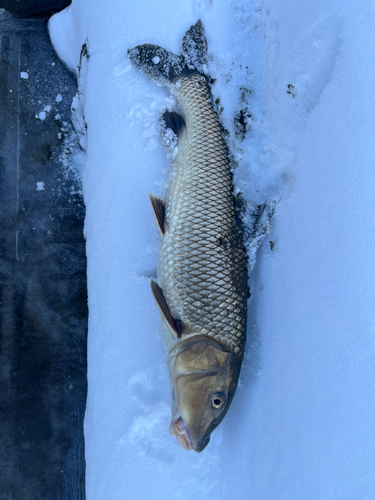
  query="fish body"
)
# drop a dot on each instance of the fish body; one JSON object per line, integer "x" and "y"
{"x": 202, "y": 270}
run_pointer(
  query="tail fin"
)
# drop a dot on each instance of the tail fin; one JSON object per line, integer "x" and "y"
{"x": 194, "y": 48}
{"x": 167, "y": 68}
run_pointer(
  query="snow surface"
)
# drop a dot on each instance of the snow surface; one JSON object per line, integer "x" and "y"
{"x": 302, "y": 77}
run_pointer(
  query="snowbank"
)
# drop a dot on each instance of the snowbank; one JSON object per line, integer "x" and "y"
{"x": 295, "y": 81}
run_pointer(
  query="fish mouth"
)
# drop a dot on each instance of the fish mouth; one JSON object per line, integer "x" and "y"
{"x": 202, "y": 444}
{"x": 180, "y": 429}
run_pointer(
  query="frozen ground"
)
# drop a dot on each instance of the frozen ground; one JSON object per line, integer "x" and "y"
{"x": 302, "y": 76}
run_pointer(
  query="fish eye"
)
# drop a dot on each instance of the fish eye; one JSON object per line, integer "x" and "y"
{"x": 217, "y": 401}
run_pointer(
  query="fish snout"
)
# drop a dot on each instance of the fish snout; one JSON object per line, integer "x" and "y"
{"x": 201, "y": 445}
{"x": 180, "y": 429}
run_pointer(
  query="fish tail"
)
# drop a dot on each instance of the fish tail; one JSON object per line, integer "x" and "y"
{"x": 167, "y": 68}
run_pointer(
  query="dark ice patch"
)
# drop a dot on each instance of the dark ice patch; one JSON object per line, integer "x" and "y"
{"x": 242, "y": 123}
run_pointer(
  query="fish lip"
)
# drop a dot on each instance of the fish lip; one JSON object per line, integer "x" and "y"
{"x": 180, "y": 429}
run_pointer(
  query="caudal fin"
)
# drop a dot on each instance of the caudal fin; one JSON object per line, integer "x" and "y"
{"x": 167, "y": 68}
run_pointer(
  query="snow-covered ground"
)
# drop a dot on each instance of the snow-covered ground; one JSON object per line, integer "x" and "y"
{"x": 302, "y": 76}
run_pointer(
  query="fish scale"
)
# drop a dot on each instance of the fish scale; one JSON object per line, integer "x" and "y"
{"x": 202, "y": 261}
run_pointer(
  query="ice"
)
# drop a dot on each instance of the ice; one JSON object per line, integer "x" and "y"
{"x": 42, "y": 115}
{"x": 122, "y": 68}
{"x": 40, "y": 186}
{"x": 58, "y": 98}
{"x": 294, "y": 89}
{"x": 24, "y": 75}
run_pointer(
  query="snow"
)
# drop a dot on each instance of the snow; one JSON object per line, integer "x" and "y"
{"x": 24, "y": 75}
{"x": 295, "y": 82}
{"x": 41, "y": 116}
{"x": 40, "y": 186}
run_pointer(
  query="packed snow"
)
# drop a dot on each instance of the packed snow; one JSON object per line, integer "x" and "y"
{"x": 294, "y": 85}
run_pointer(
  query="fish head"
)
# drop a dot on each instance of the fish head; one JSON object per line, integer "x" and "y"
{"x": 204, "y": 382}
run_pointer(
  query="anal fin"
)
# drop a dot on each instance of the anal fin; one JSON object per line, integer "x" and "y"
{"x": 158, "y": 207}
{"x": 173, "y": 324}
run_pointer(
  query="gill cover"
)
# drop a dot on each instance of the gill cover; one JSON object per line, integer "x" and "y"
{"x": 204, "y": 385}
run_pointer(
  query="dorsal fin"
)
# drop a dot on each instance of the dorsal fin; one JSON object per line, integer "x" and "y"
{"x": 174, "y": 121}
{"x": 173, "y": 324}
{"x": 158, "y": 207}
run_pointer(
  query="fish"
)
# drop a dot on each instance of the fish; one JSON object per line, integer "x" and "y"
{"x": 202, "y": 286}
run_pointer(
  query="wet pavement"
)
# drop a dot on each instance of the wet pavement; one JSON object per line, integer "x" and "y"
{"x": 43, "y": 295}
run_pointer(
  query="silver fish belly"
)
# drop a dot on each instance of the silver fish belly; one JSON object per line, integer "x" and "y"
{"x": 202, "y": 269}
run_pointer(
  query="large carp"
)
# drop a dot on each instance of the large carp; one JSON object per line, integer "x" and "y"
{"x": 202, "y": 271}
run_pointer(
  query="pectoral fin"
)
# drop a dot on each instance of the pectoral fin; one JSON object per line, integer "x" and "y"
{"x": 173, "y": 324}
{"x": 158, "y": 207}
{"x": 174, "y": 121}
